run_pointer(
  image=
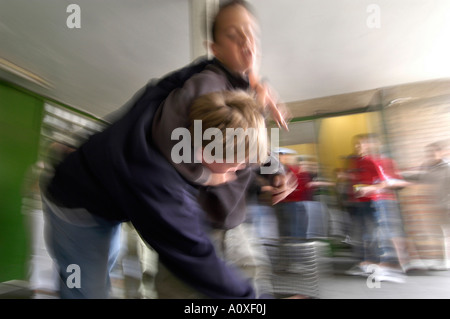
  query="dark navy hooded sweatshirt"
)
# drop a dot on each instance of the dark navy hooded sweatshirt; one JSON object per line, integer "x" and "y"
{"x": 119, "y": 174}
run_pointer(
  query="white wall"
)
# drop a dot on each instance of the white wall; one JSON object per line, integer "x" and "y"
{"x": 316, "y": 48}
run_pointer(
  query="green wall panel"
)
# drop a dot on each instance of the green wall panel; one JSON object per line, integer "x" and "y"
{"x": 20, "y": 119}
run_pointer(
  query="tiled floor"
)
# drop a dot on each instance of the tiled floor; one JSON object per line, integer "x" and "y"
{"x": 331, "y": 283}
{"x": 424, "y": 285}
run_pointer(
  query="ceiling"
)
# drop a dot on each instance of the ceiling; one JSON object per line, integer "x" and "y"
{"x": 313, "y": 50}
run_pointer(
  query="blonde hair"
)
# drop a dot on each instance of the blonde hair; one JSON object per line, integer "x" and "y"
{"x": 236, "y": 111}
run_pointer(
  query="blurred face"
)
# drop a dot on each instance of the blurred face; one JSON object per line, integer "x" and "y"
{"x": 360, "y": 148}
{"x": 219, "y": 168}
{"x": 222, "y": 168}
{"x": 283, "y": 159}
{"x": 434, "y": 155}
{"x": 235, "y": 45}
{"x": 367, "y": 146}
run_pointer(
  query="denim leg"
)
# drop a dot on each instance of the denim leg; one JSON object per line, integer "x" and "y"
{"x": 389, "y": 225}
{"x": 264, "y": 221}
{"x": 356, "y": 231}
{"x": 285, "y": 213}
{"x": 317, "y": 219}
{"x": 92, "y": 249}
{"x": 300, "y": 222}
{"x": 367, "y": 247}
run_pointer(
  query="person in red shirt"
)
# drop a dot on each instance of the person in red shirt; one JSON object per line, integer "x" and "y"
{"x": 299, "y": 215}
{"x": 291, "y": 214}
{"x": 375, "y": 180}
{"x": 304, "y": 190}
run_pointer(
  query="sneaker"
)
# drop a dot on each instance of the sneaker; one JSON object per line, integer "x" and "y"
{"x": 390, "y": 274}
{"x": 358, "y": 270}
{"x": 414, "y": 265}
{"x": 347, "y": 240}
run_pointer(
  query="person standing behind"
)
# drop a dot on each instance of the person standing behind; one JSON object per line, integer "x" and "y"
{"x": 299, "y": 215}
{"x": 376, "y": 182}
{"x": 291, "y": 213}
{"x": 434, "y": 174}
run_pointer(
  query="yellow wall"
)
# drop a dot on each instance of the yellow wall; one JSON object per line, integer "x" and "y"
{"x": 304, "y": 149}
{"x": 335, "y": 139}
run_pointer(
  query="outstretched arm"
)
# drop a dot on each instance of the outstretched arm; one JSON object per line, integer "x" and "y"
{"x": 268, "y": 99}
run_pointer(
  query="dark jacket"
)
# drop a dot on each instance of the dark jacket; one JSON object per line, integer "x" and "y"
{"x": 225, "y": 204}
{"x": 120, "y": 174}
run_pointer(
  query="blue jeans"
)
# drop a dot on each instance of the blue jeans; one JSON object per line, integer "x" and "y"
{"x": 263, "y": 220}
{"x": 317, "y": 218}
{"x": 292, "y": 219}
{"x": 364, "y": 234}
{"x": 389, "y": 226}
{"x": 92, "y": 249}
